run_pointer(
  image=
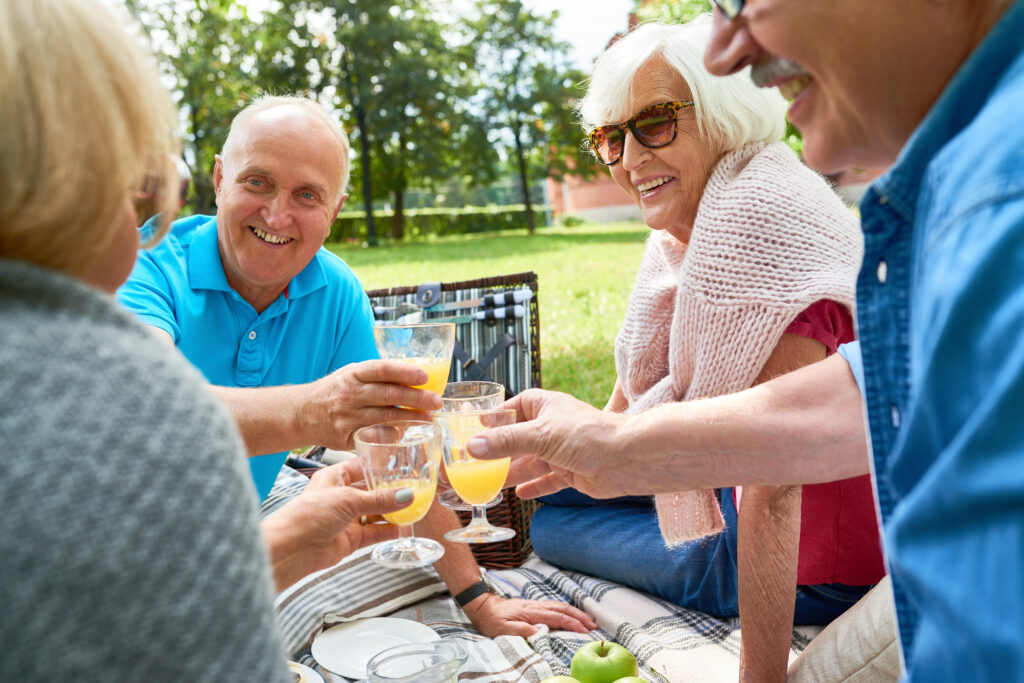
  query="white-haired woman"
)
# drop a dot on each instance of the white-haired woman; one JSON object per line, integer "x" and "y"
{"x": 748, "y": 273}
{"x": 122, "y": 559}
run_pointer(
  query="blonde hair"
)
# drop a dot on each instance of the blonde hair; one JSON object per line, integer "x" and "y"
{"x": 84, "y": 121}
{"x": 314, "y": 108}
{"x": 731, "y": 111}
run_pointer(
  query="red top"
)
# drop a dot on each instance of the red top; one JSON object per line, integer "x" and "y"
{"x": 839, "y": 539}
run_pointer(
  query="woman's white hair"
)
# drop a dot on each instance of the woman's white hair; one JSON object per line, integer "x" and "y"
{"x": 731, "y": 111}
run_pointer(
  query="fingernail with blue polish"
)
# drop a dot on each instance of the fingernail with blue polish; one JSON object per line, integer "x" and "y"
{"x": 404, "y": 496}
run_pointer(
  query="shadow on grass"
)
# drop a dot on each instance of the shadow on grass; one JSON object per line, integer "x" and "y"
{"x": 478, "y": 246}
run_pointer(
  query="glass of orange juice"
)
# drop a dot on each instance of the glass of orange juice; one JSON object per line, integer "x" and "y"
{"x": 476, "y": 481}
{"x": 460, "y": 397}
{"x": 396, "y": 455}
{"x": 425, "y": 345}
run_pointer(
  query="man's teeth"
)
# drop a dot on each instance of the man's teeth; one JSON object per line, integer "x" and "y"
{"x": 793, "y": 87}
{"x": 651, "y": 184}
{"x": 267, "y": 237}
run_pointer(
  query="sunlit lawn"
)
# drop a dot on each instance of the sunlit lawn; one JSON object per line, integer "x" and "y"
{"x": 584, "y": 273}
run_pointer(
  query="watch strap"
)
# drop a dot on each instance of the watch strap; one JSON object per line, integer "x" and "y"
{"x": 472, "y": 593}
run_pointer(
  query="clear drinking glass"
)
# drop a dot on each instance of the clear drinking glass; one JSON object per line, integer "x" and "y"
{"x": 403, "y": 454}
{"x": 435, "y": 662}
{"x": 462, "y": 396}
{"x": 425, "y": 345}
{"x": 476, "y": 481}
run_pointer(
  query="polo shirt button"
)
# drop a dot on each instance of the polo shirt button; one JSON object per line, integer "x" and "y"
{"x": 883, "y": 271}
{"x": 252, "y": 335}
{"x": 894, "y": 413}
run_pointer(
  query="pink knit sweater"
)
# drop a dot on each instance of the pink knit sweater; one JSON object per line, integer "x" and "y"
{"x": 770, "y": 238}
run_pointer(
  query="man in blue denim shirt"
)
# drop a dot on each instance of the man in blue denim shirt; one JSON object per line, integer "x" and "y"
{"x": 935, "y": 87}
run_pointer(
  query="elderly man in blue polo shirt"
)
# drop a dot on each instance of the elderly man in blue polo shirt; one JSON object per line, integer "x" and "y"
{"x": 935, "y": 88}
{"x": 281, "y": 327}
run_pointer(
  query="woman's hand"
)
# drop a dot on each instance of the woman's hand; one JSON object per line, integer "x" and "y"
{"x": 327, "y": 522}
{"x": 494, "y": 616}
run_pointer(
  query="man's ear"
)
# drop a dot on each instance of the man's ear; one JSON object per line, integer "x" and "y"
{"x": 338, "y": 207}
{"x": 218, "y": 174}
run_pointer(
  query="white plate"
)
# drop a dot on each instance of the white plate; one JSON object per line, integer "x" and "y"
{"x": 346, "y": 648}
{"x": 310, "y": 676}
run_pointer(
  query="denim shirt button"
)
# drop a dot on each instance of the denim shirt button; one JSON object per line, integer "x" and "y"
{"x": 252, "y": 335}
{"x": 882, "y": 271}
{"x": 882, "y": 201}
{"x": 894, "y": 413}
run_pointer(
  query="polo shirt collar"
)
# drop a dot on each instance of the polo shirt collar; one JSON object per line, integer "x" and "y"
{"x": 206, "y": 270}
{"x": 955, "y": 108}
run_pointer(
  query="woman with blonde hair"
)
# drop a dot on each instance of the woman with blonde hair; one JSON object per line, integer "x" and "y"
{"x": 122, "y": 559}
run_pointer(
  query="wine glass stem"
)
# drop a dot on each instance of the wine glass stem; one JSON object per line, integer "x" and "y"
{"x": 479, "y": 516}
{"x": 404, "y": 542}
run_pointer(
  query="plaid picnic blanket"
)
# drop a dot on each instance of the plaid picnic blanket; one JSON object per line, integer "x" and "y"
{"x": 671, "y": 643}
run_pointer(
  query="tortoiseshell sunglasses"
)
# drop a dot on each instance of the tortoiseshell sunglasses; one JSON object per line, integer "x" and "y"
{"x": 652, "y": 127}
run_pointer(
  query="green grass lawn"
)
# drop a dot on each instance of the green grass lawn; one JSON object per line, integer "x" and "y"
{"x": 584, "y": 273}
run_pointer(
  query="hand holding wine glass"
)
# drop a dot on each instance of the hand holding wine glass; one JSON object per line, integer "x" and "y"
{"x": 403, "y": 454}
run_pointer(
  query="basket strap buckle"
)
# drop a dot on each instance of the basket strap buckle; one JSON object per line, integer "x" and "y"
{"x": 473, "y": 370}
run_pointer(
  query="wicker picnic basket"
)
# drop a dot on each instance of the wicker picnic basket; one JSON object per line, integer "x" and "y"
{"x": 505, "y": 351}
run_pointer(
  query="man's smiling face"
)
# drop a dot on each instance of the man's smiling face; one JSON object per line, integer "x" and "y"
{"x": 860, "y": 74}
{"x": 278, "y": 191}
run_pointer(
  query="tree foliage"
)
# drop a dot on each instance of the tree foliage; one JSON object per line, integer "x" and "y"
{"x": 429, "y": 98}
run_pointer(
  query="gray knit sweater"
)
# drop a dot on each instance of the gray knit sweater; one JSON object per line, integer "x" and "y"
{"x": 129, "y": 538}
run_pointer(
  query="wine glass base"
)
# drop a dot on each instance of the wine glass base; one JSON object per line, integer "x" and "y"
{"x": 452, "y": 501}
{"x": 422, "y": 552}
{"x": 480, "y": 534}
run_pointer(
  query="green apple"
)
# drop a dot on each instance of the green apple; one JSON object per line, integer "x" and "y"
{"x": 560, "y": 679}
{"x": 602, "y": 662}
{"x": 630, "y": 679}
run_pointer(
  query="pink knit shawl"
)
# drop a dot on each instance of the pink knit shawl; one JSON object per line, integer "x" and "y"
{"x": 770, "y": 238}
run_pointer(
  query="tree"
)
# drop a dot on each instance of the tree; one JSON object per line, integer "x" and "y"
{"x": 201, "y": 42}
{"x": 528, "y": 94}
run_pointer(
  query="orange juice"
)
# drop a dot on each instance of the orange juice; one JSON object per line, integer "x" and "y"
{"x": 478, "y": 481}
{"x": 437, "y": 372}
{"x": 423, "y": 496}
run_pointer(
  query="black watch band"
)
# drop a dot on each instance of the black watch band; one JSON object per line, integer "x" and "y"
{"x": 472, "y": 593}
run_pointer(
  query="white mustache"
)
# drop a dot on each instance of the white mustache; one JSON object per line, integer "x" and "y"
{"x": 766, "y": 72}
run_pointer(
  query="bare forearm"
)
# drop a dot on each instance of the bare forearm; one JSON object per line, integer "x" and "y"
{"x": 801, "y": 428}
{"x": 458, "y": 567}
{"x": 768, "y": 541}
{"x": 267, "y": 417}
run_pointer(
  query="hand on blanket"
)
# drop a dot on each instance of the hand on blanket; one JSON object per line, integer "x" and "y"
{"x": 321, "y": 525}
{"x": 362, "y": 394}
{"x": 560, "y": 441}
{"x": 494, "y": 616}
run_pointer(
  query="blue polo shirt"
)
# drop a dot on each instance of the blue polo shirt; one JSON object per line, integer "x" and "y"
{"x": 940, "y": 314}
{"x": 322, "y": 322}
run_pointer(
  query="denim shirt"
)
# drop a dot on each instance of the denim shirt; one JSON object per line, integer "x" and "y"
{"x": 940, "y": 312}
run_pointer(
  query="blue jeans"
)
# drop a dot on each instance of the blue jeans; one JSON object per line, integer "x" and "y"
{"x": 619, "y": 540}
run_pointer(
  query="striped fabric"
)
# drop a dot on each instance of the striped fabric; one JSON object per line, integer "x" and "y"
{"x": 671, "y": 643}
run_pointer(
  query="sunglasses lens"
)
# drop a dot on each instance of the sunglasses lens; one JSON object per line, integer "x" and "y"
{"x": 656, "y": 126}
{"x": 607, "y": 143}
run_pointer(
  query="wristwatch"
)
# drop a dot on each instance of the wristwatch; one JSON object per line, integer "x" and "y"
{"x": 472, "y": 593}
